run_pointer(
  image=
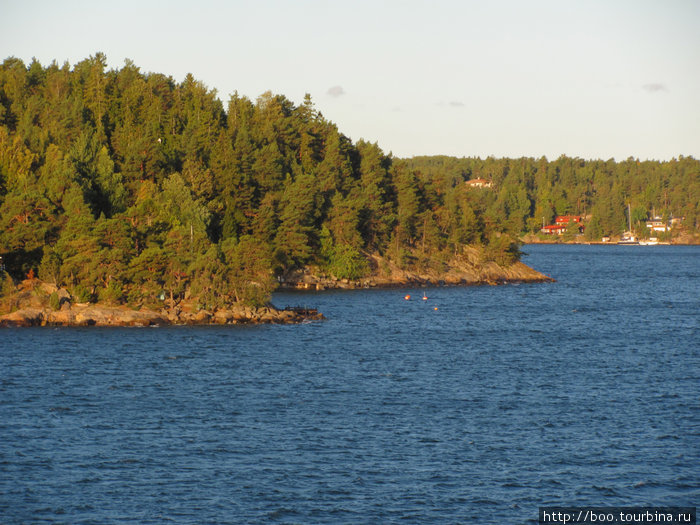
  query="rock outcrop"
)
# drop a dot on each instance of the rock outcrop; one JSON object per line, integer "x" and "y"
{"x": 31, "y": 308}
{"x": 466, "y": 269}
{"x": 40, "y": 304}
{"x": 98, "y": 315}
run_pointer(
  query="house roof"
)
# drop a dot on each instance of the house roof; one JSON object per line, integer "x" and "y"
{"x": 568, "y": 218}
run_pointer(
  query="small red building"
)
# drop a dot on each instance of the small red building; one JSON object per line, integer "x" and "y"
{"x": 560, "y": 224}
{"x": 554, "y": 229}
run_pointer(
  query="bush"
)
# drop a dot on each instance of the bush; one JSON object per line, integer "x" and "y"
{"x": 54, "y": 301}
{"x": 502, "y": 250}
{"x": 112, "y": 294}
{"x": 345, "y": 262}
{"x": 134, "y": 297}
{"x": 50, "y": 267}
{"x": 7, "y": 285}
{"x": 81, "y": 294}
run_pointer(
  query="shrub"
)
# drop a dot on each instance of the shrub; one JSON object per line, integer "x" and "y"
{"x": 345, "y": 262}
{"x": 112, "y": 294}
{"x": 81, "y": 294}
{"x": 7, "y": 285}
{"x": 502, "y": 250}
{"x": 54, "y": 301}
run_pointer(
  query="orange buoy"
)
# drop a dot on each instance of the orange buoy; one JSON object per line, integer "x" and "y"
{"x": 436, "y": 308}
{"x": 407, "y": 297}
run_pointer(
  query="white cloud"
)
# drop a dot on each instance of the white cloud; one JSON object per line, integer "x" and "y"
{"x": 654, "y": 88}
{"x": 336, "y": 91}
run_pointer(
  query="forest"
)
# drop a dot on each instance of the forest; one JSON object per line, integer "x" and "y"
{"x": 127, "y": 187}
{"x": 527, "y": 193}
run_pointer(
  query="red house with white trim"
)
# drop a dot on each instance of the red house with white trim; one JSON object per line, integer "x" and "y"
{"x": 561, "y": 223}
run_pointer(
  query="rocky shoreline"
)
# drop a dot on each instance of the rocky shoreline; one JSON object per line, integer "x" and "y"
{"x": 31, "y": 305}
{"x": 100, "y": 315}
{"x": 466, "y": 270}
{"x": 682, "y": 239}
{"x": 30, "y": 308}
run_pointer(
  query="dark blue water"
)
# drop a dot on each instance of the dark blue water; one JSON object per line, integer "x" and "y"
{"x": 581, "y": 392}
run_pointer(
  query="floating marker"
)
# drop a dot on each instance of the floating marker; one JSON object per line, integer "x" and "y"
{"x": 436, "y": 308}
{"x": 407, "y": 297}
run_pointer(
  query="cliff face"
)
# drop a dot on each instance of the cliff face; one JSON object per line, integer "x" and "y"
{"x": 465, "y": 269}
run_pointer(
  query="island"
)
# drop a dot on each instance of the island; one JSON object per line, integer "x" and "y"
{"x": 36, "y": 303}
{"x": 128, "y": 198}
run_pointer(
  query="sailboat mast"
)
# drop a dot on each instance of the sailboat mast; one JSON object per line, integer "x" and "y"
{"x": 629, "y": 217}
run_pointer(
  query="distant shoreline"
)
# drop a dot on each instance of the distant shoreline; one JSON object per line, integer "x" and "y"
{"x": 527, "y": 240}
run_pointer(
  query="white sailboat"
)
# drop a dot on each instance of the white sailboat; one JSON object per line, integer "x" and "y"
{"x": 628, "y": 237}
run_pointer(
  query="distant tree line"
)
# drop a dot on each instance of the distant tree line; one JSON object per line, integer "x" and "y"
{"x": 127, "y": 186}
{"x": 527, "y": 192}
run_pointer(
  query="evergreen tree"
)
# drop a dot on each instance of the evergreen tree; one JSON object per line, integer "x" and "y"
{"x": 124, "y": 186}
{"x": 296, "y": 237}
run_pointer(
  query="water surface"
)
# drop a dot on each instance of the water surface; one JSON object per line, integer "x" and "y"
{"x": 477, "y": 405}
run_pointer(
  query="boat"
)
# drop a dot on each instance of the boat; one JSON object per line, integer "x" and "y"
{"x": 628, "y": 237}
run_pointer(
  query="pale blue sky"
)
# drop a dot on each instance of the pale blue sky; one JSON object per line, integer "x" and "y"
{"x": 594, "y": 78}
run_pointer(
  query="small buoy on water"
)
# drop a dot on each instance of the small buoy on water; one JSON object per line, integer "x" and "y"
{"x": 425, "y": 297}
{"x": 436, "y": 308}
{"x": 407, "y": 297}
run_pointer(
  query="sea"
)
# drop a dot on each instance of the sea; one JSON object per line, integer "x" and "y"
{"x": 477, "y": 404}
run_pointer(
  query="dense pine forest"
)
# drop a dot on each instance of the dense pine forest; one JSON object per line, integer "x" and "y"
{"x": 527, "y": 192}
{"x": 126, "y": 187}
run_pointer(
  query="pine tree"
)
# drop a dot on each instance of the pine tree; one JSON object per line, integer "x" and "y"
{"x": 296, "y": 237}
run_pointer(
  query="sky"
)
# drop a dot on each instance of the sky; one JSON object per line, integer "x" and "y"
{"x": 595, "y": 79}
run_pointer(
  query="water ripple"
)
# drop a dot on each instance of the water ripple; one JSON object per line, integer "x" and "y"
{"x": 504, "y": 399}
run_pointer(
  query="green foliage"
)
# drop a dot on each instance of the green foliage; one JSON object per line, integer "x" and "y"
{"x": 526, "y": 191}
{"x": 572, "y": 231}
{"x": 7, "y": 285}
{"x": 81, "y": 294}
{"x": 146, "y": 273}
{"x": 124, "y": 185}
{"x": 249, "y": 262}
{"x": 54, "y": 301}
{"x": 50, "y": 266}
{"x": 296, "y": 235}
{"x": 112, "y": 294}
{"x": 342, "y": 261}
{"x": 209, "y": 279}
{"x": 502, "y": 250}
{"x": 594, "y": 230}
